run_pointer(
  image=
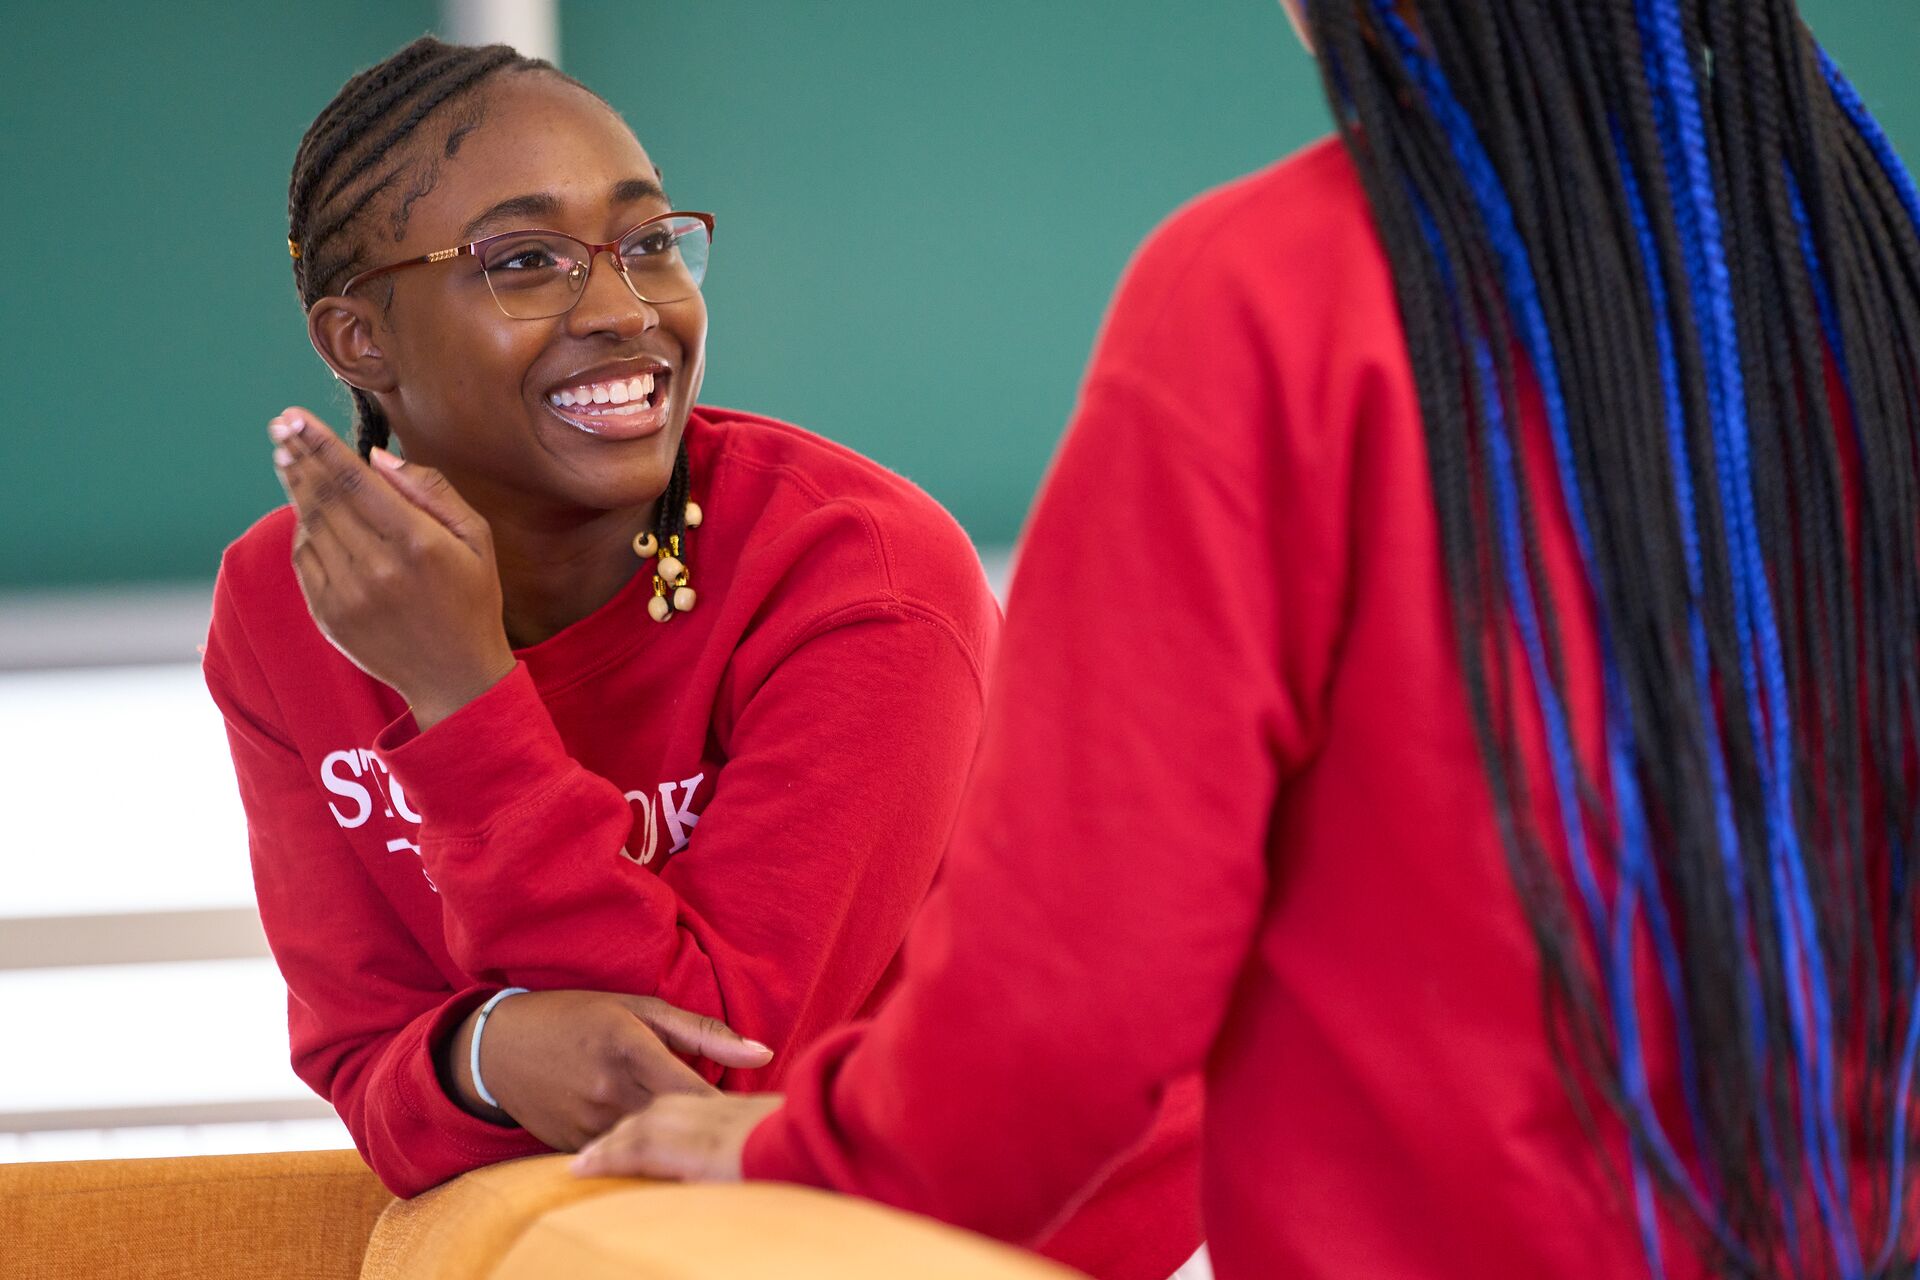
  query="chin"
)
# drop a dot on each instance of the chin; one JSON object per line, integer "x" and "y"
{"x": 617, "y": 475}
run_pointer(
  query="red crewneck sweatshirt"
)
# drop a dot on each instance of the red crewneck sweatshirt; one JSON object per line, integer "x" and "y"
{"x": 1229, "y": 815}
{"x": 738, "y": 811}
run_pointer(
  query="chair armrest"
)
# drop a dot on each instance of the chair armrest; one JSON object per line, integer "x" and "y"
{"x": 530, "y": 1219}
{"x": 305, "y": 1213}
{"x": 754, "y": 1230}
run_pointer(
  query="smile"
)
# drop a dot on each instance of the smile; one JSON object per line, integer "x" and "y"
{"x": 623, "y": 408}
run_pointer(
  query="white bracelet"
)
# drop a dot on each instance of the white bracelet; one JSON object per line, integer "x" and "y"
{"x": 473, "y": 1053}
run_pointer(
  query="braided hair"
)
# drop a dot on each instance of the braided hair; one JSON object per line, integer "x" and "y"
{"x": 1678, "y": 219}
{"x": 362, "y": 162}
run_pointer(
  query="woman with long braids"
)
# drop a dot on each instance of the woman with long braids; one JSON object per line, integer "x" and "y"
{"x": 1460, "y": 690}
{"x": 594, "y": 743}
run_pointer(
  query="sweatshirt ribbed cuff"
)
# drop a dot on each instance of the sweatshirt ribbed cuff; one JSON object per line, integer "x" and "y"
{"x": 770, "y": 1153}
{"x": 778, "y": 1148}
{"x": 495, "y": 752}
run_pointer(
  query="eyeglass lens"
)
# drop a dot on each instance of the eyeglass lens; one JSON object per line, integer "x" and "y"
{"x": 542, "y": 273}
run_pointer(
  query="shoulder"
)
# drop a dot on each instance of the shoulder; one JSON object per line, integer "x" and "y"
{"x": 256, "y": 581}
{"x": 1307, "y": 208}
{"x": 1287, "y": 257}
{"x": 1262, "y": 317}
{"x": 837, "y": 528}
{"x": 257, "y": 606}
{"x": 261, "y": 557}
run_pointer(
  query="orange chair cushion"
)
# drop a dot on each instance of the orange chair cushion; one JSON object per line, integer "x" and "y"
{"x": 304, "y": 1214}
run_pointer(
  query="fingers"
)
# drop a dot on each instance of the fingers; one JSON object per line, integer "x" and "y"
{"x": 653, "y": 1066}
{"x": 686, "y": 1139}
{"x": 625, "y": 1151}
{"x": 317, "y": 563}
{"x": 328, "y": 483}
{"x": 428, "y": 490}
{"x": 699, "y": 1035}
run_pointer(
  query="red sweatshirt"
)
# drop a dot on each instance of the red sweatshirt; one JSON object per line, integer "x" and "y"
{"x": 1229, "y": 815}
{"x": 738, "y": 811}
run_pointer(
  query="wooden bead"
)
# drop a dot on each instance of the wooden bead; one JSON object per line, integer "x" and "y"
{"x": 683, "y": 599}
{"x": 670, "y": 570}
{"x": 659, "y": 609}
{"x": 646, "y": 546}
{"x": 694, "y": 515}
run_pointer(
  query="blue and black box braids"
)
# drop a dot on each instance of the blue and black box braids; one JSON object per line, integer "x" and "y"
{"x": 1679, "y": 219}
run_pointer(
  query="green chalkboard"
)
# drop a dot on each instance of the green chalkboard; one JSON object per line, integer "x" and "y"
{"x": 147, "y": 316}
{"x": 923, "y": 208}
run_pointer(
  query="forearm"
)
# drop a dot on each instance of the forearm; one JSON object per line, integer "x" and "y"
{"x": 393, "y": 1096}
{"x": 526, "y": 846}
{"x": 1103, "y": 882}
{"x": 369, "y": 1012}
{"x": 793, "y": 896}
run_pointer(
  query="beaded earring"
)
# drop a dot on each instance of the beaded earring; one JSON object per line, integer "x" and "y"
{"x": 672, "y": 584}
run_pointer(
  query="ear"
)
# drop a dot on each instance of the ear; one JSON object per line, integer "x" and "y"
{"x": 347, "y": 334}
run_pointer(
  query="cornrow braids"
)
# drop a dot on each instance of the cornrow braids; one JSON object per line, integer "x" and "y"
{"x": 354, "y": 158}
{"x": 1680, "y": 218}
{"x": 334, "y": 183}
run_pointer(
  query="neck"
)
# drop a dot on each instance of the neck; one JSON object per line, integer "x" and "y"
{"x": 554, "y": 572}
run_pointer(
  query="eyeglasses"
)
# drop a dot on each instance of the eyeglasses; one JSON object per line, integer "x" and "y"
{"x": 537, "y": 274}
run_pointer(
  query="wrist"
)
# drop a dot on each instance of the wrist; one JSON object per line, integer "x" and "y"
{"x": 455, "y": 1062}
{"x": 480, "y": 1018}
{"x": 452, "y": 690}
{"x": 452, "y": 1062}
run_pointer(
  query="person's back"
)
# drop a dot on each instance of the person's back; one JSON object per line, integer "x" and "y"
{"x": 1382, "y": 1068}
{"x": 1459, "y": 689}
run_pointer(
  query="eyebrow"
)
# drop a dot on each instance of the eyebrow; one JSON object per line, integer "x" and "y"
{"x": 544, "y": 205}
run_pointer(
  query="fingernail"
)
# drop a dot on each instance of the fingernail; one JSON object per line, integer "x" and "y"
{"x": 381, "y": 458}
{"x": 581, "y": 1163}
{"x": 295, "y": 420}
{"x": 279, "y": 429}
{"x": 757, "y": 1047}
{"x": 282, "y": 456}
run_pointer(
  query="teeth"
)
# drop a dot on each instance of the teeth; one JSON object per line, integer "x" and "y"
{"x": 626, "y": 391}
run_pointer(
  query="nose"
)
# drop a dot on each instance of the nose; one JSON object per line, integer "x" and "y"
{"x": 608, "y": 305}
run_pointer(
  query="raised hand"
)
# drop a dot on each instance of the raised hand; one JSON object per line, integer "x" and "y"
{"x": 397, "y": 569}
{"x": 567, "y": 1065}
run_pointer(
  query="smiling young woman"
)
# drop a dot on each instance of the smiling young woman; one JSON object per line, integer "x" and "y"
{"x": 584, "y": 732}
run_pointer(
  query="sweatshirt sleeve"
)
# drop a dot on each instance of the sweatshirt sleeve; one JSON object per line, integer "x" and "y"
{"x": 794, "y": 893}
{"x": 1107, "y": 870}
{"x": 366, "y": 1007}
